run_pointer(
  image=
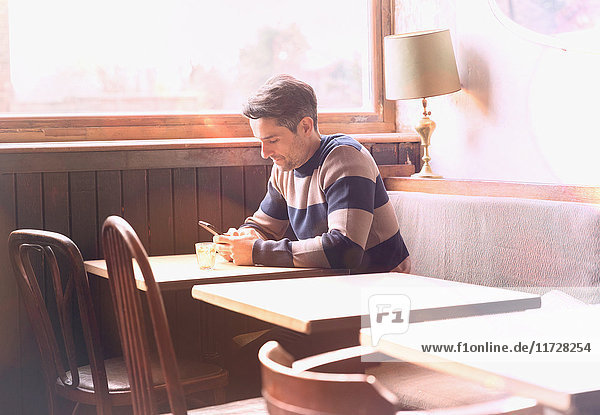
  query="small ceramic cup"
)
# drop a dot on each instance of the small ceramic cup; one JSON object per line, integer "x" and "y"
{"x": 206, "y": 254}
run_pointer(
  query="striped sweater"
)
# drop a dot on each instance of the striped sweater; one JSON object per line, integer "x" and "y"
{"x": 338, "y": 209}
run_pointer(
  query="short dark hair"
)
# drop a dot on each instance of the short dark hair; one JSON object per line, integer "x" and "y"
{"x": 284, "y": 98}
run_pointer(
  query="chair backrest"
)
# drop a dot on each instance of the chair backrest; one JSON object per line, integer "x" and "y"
{"x": 121, "y": 244}
{"x": 297, "y": 392}
{"x": 35, "y": 252}
{"x": 314, "y": 385}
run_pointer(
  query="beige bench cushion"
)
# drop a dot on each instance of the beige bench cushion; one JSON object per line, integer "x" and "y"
{"x": 420, "y": 388}
{"x": 503, "y": 242}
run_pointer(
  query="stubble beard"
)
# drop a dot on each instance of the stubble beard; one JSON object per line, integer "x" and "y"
{"x": 293, "y": 160}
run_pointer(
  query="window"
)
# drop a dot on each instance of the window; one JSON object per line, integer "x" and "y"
{"x": 183, "y": 68}
{"x": 566, "y": 24}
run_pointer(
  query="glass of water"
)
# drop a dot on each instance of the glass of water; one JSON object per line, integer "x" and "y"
{"x": 206, "y": 254}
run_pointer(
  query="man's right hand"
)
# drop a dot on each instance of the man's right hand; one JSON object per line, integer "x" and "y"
{"x": 243, "y": 231}
{"x": 239, "y": 232}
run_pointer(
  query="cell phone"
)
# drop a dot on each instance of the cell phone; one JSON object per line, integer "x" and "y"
{"x": 208, "y": 227}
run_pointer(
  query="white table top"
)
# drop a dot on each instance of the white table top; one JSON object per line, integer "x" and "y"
{"x": 338, "y": 302}
{"x": 175, "y": 272}
{"x": 561, "y": 380}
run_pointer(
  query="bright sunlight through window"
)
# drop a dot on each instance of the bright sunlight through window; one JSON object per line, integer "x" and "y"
{"x": 180, "y": 56}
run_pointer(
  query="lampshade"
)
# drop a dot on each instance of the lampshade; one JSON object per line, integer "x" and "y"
{"x": 420, "y": 65}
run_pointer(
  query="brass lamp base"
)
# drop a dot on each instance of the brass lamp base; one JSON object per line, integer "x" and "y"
{"x": 425, "y": 128}
{"x": 427, "y": 173}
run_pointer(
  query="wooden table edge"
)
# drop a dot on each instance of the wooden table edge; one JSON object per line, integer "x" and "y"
{"x": 251, "y": 310}
{"x": 93, "y": 267}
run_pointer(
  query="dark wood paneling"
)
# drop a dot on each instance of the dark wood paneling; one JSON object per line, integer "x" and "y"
{"x": 209, "y": 199}
{"x": 385, "y": 153}
{"x": 160, "y": 212}
{"x": 185, "y": 320}
{"x": 185, "y": 210}
{"x": 232, "y": 193}
{"x": 210, "y": 206}
{"x": 29, "y": 200}
{"x": 109, "y": 199}
{"x": 10, "y": 369}
{"x": 410, "y": 153}
{"x": 255, "y": 186}
{"x": 29, "y": 215}
{"x": 162, "y": 198}
{"x": 135, "y": 202}
{"x": 83, "y": 212}
{"x": 56, "y": 202}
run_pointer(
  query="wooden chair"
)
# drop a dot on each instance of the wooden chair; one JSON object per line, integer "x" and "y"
{"x": 302, "y": 390}
{"x": 101, "y": 383}
{"x": 313, "y": 386}
{"x": 121, "y": 244}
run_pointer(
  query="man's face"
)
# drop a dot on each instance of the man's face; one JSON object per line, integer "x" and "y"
{"x": 287, "y": 149}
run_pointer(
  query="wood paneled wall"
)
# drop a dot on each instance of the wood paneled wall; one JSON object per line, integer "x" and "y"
{"x": 161, "y": 194}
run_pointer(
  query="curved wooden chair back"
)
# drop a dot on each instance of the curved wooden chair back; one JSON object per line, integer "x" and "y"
{"x": 294, "y": 392}
{"x": 315, "y": 385}
{"x": 65, "y": 269}
{"x": 121, "y": 244}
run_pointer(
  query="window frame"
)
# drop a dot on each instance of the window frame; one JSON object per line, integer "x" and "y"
{"x": 43, "y": 128}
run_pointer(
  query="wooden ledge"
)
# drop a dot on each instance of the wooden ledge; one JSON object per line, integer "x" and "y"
{"x": 179, "y": 144}
{"x": 542, "y": 191}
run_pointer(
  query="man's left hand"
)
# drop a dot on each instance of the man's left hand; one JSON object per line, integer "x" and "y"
{"x": 237, "y": 247}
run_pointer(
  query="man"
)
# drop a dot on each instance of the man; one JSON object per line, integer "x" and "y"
{"x": 327, "y": 189}
{"x": 329, "y": 192}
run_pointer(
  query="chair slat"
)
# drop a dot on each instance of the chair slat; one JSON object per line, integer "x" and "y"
{"x": 121, "y": 245}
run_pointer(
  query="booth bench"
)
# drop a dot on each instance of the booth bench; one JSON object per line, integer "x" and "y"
{"x": 530, "y": 237}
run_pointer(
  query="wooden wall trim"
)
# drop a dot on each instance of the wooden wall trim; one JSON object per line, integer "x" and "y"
{"x": 175, "y": 144}
{"x": 177, "y": 155}
{"x": 557, "y": 192}
{"x": 129, "y": 160}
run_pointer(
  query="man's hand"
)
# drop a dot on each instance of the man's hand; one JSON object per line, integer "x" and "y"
{"x": 236, "y": 247}
{"x": 225, "y": 253}
{"x": 243, "y": 231}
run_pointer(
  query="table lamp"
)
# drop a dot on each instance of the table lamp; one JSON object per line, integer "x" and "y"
{"x": 420, "y": 65}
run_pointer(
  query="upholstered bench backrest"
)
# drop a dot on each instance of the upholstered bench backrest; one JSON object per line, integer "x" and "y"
{"x": 504, "y": 242}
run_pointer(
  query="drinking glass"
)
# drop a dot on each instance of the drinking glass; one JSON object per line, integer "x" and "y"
{"x": 206, "y": 253}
